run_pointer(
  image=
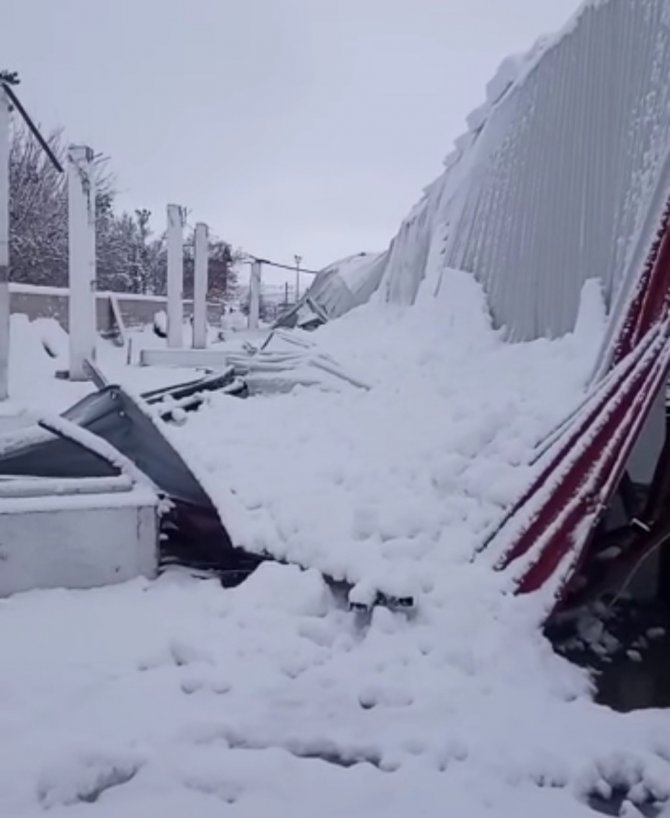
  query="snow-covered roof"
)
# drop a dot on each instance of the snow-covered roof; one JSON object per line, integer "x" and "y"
{"x": 561, "y": 177}
{"x": 340, "y": 287}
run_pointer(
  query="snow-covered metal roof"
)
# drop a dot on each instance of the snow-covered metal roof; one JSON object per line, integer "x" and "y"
{"x": 560, "y": 178}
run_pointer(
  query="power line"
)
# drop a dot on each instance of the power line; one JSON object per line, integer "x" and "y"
{"x": 6, "y": 81}
{"x": 292, "y": 267}
{"x": 278, "y": 264}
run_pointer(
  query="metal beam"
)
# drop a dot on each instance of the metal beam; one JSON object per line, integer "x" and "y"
{"x": 184, "y": 357}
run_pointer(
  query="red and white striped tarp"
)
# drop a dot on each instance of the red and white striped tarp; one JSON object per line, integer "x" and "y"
{"x": 545, "y": 537}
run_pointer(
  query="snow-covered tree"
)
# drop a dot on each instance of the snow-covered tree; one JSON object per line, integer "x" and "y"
{"x": 222, "y": 276}
{"x": 222, "y": 272}
{"x": 130, "y": 257}
{"x": 38, "y": 212}
{"x": 38, "y": 209}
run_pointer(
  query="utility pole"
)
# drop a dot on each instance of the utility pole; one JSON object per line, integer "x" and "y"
{"x": 298, "y": 259}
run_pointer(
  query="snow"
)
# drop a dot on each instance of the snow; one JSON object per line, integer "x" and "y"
{"x": 160, "y": 697}
{"x": 173, "y": 695}
{"x": 450, "y": 424}
{"x": 46, "y": 290}
{"x": 161, "y": 322}
{"x": 71, "y": 501}
{"x": 31, "y": 367}
{"x": 177, "y": 697}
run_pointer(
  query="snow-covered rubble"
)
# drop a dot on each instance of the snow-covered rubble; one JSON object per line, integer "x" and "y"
{"x": 177, "y": 697}
{"x": 393, "y": 486}
{"x": 172, "y": 696}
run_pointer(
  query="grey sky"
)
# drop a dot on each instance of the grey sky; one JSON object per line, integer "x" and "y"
{"x": 288, "y": 125}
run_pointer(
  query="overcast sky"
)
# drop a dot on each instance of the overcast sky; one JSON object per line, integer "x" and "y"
{"x": 290, "y": 126}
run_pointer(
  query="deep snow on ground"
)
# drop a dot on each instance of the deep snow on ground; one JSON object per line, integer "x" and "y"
{"x": 32, "y": 370}
{"x": 176, "y": 696}
{"x": 390, "y": 487}
{"x": 272, "y": 700}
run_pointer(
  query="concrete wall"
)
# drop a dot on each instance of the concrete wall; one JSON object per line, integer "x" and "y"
{"x": 94, "y": 541}
{"x": 137, "y": 310}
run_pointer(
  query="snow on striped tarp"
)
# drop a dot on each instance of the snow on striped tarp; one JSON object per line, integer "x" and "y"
{"x": 545, "y": 536}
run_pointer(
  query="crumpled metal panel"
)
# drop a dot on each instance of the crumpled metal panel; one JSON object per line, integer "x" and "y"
{"x": 340, "y": 287}
{"x": 554, "y": 185}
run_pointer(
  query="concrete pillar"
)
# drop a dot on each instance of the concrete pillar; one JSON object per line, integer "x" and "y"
{"x": 254, "y": 294}
{"x": 81, "y": 250}
{"x": 200, "y": 265}
{"x": 175, "y": 276}
{"x": 4, "y": 245}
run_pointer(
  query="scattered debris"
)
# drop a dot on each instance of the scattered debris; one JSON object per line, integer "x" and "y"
{"x": 190, "y": 395}
{"x": 287, "y": 359}
{"x": 625, "y": 647}
{"x": 193, "y": 532}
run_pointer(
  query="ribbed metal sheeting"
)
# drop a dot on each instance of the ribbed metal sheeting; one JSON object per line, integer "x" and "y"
{"x": 565, "y": 168}
{"x": 335, "y": 293}
{"x": 556, "y": 184}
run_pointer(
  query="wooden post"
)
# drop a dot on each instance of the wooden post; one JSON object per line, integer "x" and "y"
{"x": 175, "y": 276}
{"x": 254, "y": 294}
{"x": 81, "y": 250}
{"x": 4, "y": 245}
{"x": 200, "y": 265}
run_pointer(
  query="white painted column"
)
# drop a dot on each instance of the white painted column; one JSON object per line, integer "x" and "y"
{"x": 175, "y": 276}
{"x": 4, "y": 245}
{"x": 254, "y": 294}
{"x": 200, "y": 270}
{"x": 81, "y": 250}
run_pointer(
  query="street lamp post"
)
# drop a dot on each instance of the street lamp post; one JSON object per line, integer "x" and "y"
{"x": 298, "y": 259}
